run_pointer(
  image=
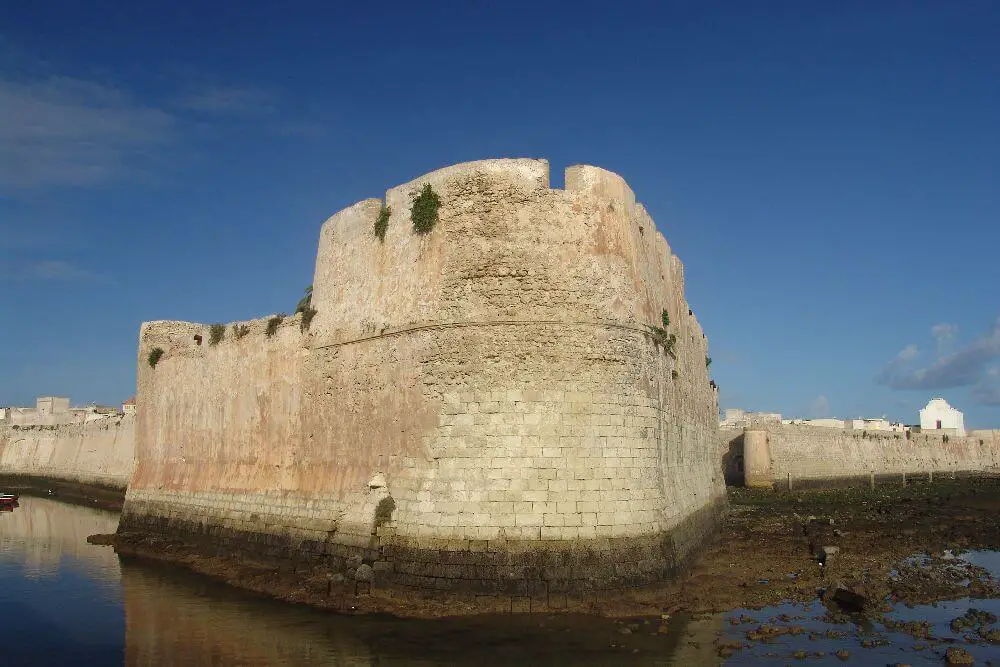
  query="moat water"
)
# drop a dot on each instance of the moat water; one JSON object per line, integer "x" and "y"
{"x": 67, "y": 602}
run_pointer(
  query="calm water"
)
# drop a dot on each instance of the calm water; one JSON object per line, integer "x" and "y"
{"x": 67, "y": 602}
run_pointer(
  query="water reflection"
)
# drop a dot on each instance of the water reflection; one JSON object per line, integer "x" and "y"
{"x": 43, "y": 536}
{"x": 60, "y": 596}
{"x": 193, "y": 621}
{"x": 66, "y": 600}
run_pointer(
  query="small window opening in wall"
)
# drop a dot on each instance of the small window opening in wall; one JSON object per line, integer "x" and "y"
{"x": 939, "y": 424}
{"x": 197, "y": 339}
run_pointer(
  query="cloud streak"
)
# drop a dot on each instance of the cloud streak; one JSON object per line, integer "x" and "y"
{"x": 819, "y": 407}
{"x": 967, "y": 367}
{"x": 48, "y": 269}
{"x": 227, "y": 100}
{"x": 65, "y": 131}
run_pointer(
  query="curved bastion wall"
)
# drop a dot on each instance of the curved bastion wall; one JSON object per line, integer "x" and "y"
{"x": 484, "y": 406}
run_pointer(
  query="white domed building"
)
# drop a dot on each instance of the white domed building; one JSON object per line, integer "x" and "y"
{"x": 939, "y": 416}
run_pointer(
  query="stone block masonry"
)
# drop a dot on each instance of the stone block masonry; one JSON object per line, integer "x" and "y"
{"x": 484, "y": 407}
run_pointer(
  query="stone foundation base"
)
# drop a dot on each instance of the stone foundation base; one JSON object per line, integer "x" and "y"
{"x": 487, "y": 567}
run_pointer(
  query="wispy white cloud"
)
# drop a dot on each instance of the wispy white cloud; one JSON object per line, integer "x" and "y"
{"x": 65, "y": 131}
{"x": 943, "y": 334}
{"x": 48, "y": 269}
{"x": 819, "y": 407}
{"x": 227, "y": 100}
{"x": 969, "y": 366}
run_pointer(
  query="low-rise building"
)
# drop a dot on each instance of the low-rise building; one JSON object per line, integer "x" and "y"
{"x": 941, "y": 417}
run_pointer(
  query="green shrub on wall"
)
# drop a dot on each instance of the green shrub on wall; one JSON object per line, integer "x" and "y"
{"x": 665, "y": 318}
{"x": 216, "y": 333}
{"x": 382, "y": 223}
{"x": 424, "y": 212}
{"x": 307, "y": 317}
{"x": 240, "y": 330}
{"x": 154, "y": 356}
{"x": 306, "y": 300}
{"x": 273, "y": 324}
{"x": 708, "y": 361}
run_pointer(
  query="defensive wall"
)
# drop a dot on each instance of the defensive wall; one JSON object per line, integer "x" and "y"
{"x": 772, "y": 454}
{"x": 95, "y": 453}
{"x": 483, "y": 407}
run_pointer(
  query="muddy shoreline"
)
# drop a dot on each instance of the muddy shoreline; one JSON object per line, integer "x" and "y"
{"x": 74, "y": 493}
{"x": 769, "y": 551}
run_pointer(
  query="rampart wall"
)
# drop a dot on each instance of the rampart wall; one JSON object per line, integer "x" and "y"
{"x": 97, "y": 453}
{"x": 482, "y": 407}
{"x": 813, "y": 455}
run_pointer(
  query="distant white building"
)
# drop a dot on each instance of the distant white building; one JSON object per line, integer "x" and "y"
{"x": 939, "y": 416}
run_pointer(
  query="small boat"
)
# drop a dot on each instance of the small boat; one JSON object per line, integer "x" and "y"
{"x": 8, "y": 498}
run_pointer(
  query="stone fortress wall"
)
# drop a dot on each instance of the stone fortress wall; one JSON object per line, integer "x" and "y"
{"x": 97, "y": 453}
{"x": 768, "y": 454}
{"x": 480, "y": 407}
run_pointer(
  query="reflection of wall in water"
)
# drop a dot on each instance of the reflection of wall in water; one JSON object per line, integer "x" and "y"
{"x": 169, "y": 619}
{"x": 42, "y": 532}
{"x": 697, "y": 646}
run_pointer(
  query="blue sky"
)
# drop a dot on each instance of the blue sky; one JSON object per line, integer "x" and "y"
{"x": 826, "y": 171}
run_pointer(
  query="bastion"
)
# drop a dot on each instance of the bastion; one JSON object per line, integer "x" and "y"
{"x": 515, "y": 401}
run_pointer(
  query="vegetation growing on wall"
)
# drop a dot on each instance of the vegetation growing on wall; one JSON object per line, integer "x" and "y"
{"x": 382, "y": 222}
{"x": 424, "y": 212}
{"x": 383, "y": 511}
{"x": 662, "y": 338}
{"x": 307, "y": 317}
{"x": 154, "y": 356}
{"x": 674, "y": 374}
{"x": 273, "y": 324}
{"x": 306, "y": 300}
{"x": 240, "y": 330}
{"x": 216, "y": 333}
{"x": 708, "y": 361}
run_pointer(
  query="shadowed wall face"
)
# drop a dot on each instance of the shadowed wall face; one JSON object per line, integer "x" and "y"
{"x": 498, "y": 376}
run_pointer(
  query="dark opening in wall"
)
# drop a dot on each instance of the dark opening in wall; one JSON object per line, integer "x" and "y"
{"x": 197, "y": 339}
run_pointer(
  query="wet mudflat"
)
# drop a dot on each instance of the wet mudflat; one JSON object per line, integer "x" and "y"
{"x": 896, "y": 575}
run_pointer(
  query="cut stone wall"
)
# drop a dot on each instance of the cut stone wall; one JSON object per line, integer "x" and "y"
{"x": 814, "y": 455}
{"x": 469, "y": 407}
{"x": 97, "y": 453}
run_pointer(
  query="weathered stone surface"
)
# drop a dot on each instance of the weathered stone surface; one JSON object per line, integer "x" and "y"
{"x": 496, "y": 379}
{"x": 769, "y": 455}
{"x": 98, "y": 453}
